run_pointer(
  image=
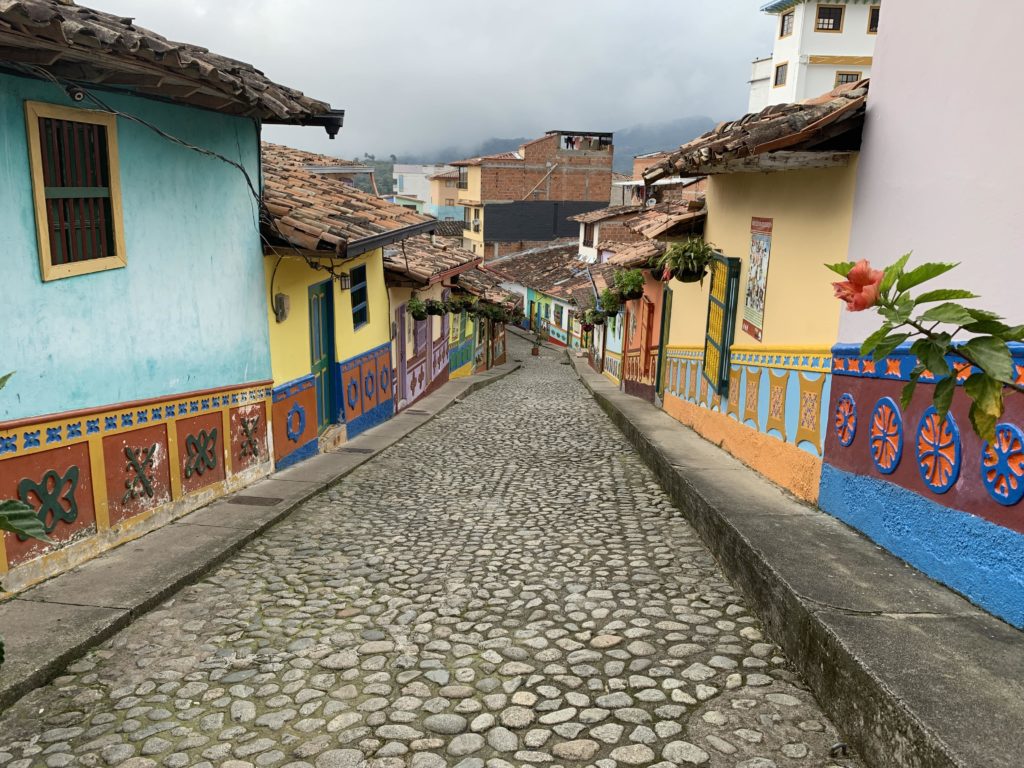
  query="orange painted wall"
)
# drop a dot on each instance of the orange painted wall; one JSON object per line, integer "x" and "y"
{"x": 795, "y": 470}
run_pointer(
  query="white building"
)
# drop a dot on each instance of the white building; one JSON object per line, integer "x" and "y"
{"x": 818, "y": 46}
{"x": 413, "y": 180}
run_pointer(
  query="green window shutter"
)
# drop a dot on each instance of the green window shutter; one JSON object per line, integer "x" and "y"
{"x": 721, "y": 327}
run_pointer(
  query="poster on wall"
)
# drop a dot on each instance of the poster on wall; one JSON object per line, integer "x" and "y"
{"x": 757, "y": 276}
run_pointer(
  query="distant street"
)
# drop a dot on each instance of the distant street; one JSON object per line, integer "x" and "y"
{"x": 507, "y": 586}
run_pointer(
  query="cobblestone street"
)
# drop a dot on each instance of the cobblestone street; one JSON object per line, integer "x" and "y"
{"x": 507, "y": 586}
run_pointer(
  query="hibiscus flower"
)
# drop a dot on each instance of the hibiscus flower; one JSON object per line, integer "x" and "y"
{"x": 860, "y": 289}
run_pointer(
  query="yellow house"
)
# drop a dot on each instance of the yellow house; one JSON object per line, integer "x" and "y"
{"x": 748, "y": 358}
{"x": 330, "y": 325}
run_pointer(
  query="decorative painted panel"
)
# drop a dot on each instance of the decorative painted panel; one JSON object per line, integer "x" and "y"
{"x": 248, "y": 435}
{"x": 294, "y": 422}
{"x": 367, "y": 382}
{"x": 57, "y": 483}
{"x": 138, "y": 471}
{"x": 439, "y": 358}
{"x": 809, "y": 420}
{"x": 201, "y": 451}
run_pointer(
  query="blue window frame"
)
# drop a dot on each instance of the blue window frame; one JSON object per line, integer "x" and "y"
{"x": 360, "y": 305}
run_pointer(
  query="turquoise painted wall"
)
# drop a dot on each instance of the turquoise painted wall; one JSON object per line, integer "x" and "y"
{"x": 188, "y": 312}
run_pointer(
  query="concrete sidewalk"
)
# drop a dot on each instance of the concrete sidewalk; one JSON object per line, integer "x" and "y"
{"x": 912, "y": 673}
{"x": 50, "y": 625}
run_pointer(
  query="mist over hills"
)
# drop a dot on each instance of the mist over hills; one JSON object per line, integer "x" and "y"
{"x": 635, "y": 140}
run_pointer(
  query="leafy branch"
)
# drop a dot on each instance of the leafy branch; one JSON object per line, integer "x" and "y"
{"x": 932, "y": 333}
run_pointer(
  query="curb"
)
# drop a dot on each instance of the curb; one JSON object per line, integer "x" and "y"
{"x": 890, "y": 659}
{"x": 46, "y": 630}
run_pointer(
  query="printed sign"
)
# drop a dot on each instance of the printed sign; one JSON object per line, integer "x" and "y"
{"x": 757, "y": 276}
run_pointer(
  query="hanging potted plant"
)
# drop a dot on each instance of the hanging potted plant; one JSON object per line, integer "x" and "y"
{"x": 435, "y": 307}
{"x": 611, "y": 302}
{"x": 630, "y": 284}
{"x": 687, "y": 261}
{"x": 455, "y": 305}
{"x": 595, "y": 317}
{"x": 417, "y": 309}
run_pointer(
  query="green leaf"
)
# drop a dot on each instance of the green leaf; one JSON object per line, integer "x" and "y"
{"x": 932, "y": 354}
{"x": 888, "y": 344}
{"x": 20, "y": 518}
{"x": 982, "y": 314}
{"x": 872, "y": 341}
{"x": 842, "y": 268}
{"x": 5, "y": 378}
{"x": 994, "y": 328}
{"x": 949, "y": 313}
{"x": 893, "y": 272}
{"x": 987, "y": 406}
{"x": 903, "y": 308}
{"x": 943, "y": 395}
{"x": 944, "y": 294}
{"x": 991, "y": 355}
{"x": 921, "y": 274}
{"x": 908, "y": 390}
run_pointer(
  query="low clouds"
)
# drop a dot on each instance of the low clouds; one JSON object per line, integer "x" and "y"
{"x": 415, "y": 76}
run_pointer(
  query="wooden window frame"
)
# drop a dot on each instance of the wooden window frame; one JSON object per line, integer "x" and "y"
{"x": 34, "y": 110}
{"x": 775, "y": 75}
{"x": 782, "y": 23}
{"x": 857, "y": 76}
{"x": 363, "y": 305}
{"x": 872, "y": 9}
{"x": 463, "y": 182}
{"x": 842, "y": 18}
{"x": 588, "y": 235}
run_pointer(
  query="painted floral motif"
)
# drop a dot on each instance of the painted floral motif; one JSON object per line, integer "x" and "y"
{"x": 776, "y": 402}
{"x": 938, "y": 450}
{"x": 809, "y": 410}
{"x": 1002, "y": 465}
{"x": 886, "y": 436}
{"x": 846, "y": 419}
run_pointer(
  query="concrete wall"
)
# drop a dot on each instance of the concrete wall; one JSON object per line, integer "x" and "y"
{"x": 187, "y": 313}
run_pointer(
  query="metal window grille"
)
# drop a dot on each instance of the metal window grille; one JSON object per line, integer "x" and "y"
{"x": 721, "y": 326}
{"x": 359, "y": 294}
{"x": 76, "y": 177}
{"x": 780, "y": 74}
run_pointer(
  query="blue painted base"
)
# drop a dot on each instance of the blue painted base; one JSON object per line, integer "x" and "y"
{"x": 310, "y": 449}
{"x": 981, "y": 560}
{"x": 370, "y": 419}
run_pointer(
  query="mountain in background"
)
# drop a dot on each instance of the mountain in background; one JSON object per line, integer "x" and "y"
{"x": 635, "y": 140}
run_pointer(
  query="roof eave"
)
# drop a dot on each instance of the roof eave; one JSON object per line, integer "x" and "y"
{"x": 359, "y": 247}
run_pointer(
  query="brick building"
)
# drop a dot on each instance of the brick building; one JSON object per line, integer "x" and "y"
{"x": 523, "y": 199}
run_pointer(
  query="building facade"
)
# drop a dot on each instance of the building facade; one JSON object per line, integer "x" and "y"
{"x": 153, "y": 395}
{"x": 818, "y": 47}
{"x": 946, "y": 502}
{"x": 514, "y": 201}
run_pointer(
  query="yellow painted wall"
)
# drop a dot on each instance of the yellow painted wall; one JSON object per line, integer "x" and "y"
{"x": 812, "y": 212}
{"x": 439, "y": 191}
{"x": 472, "y": 191}
{"x": 289, "y": 341}
{"x": 469, "y": 234}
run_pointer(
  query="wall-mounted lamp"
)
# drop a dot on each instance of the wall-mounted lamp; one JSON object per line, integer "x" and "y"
{"x": 345, "y": 282}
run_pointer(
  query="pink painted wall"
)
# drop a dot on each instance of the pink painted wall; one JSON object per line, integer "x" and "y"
{"x": 940, "y": 172}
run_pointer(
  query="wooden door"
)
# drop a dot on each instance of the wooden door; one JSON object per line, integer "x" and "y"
{"x": 401, "y": 364}
{"x": 321, "y": 348}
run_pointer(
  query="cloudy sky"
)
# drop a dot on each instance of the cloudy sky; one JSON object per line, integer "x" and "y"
{"x": 418, "y": 75}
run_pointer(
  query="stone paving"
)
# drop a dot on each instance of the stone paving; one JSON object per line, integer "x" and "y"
{"x": 507, "y": 586}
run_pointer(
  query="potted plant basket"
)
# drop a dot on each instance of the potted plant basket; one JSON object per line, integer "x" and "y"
{"x": 688, "y": 261}
{"x": 611, "y": 302}
{"x": 630, "y": 284}
{"x": 595, "y": 317}
{"x": 417, "y": 308}
{"x": 435, "y": 307}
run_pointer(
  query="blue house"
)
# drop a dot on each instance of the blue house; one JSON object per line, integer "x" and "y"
{"x": 135, "y": 305}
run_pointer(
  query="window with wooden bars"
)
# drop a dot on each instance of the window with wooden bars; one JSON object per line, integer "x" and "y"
{"x": 76, "y": 190}
{"x": 721, "y": 327}
{"x": 360, "y": 297}
{"x": 588, "y": 235}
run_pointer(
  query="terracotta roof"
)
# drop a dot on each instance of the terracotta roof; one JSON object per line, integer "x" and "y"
{"x": 445, "y": 175}
{"x": 601, "y": 214}
{"x": 426, "y": 261}
{"x": 634, "y": 254}
{"x": 500, "y": 156}
{"x": 804, "y": 126}
{"x": 577, "y": 289}
{"x": 449, "y": 229}
{"x": 317, "y": 213}
{"x": 487, "y": 287}
{"x": 77, "y": 43}
{"x": 602, "y": 275}
{"x": 539, "y": 268}
{"x": 664, "y": 217}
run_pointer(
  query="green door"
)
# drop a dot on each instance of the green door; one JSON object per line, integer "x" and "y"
{"x": 321, "y": 348}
